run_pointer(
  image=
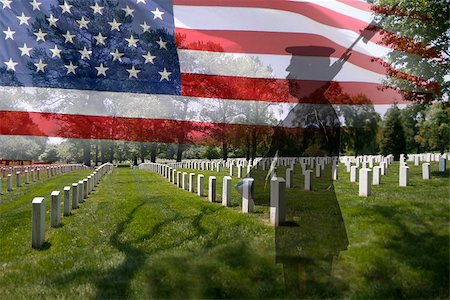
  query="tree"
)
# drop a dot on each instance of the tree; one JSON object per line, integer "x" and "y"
{"x": 424, "y": 51}
{"x": 50, "y": 154}
{"x": 410, "y": 116}
{"x": 434, "y": 128}
{"x": 393, "y": 139}
{"x": 21, "y": 148}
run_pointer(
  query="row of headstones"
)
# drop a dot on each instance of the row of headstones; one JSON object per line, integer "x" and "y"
{"x": 51, "y": 169}
{"x": 72, "y": 197}
{"x": 180, "y": 179}
{"x": 33, "y": 175}
{"x": 368, "y": 177}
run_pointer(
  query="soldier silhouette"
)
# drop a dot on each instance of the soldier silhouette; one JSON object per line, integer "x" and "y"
{"x": 314, "y": 232}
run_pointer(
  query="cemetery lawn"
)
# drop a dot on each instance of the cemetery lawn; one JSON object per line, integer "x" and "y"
{"x": 138, "y": 236}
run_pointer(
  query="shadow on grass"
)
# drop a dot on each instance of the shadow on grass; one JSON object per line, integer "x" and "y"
{"x": 417, "y": 264}
{"x": 440, "y": 174}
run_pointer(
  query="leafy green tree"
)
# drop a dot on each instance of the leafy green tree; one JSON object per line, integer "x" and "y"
{"x": 411, "y": 116}
{"x": 426, "y": 23}
{"x": 50, "y": 154}
{"x": 434, "y": 128}
{"x": 393, "y": 139}
{"x": 21, "y": 148}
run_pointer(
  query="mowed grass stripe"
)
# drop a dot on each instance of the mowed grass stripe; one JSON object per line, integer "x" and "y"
{"x": 139, "y": 236}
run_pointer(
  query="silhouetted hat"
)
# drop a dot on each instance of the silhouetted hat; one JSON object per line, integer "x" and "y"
{"x": 310, "y": 51}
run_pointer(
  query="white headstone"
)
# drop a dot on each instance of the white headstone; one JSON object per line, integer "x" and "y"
{"x": 184, "y": 181}
{"x": 67, "y": 201}
{"x": 226, "y": 191}
{"x": 200, "y": 185}
{"x": 277, "y": 201}
{"x": 55, "y": 218}
{"x": 191, "y": 182}
{"x": 426, "y": 171}
{"x": 289, "y": 178}
{"x": 376, "y": 175}
{"x": 9, "y": 179}
{"x": 74, "y": 195}
{"x": 404, "y": 176}
{"x": 248, "y": 204}
{"x": 353, "y": 174}
{"x": 18, "y": 184}
{"x": 308, "y": 180}
{"x": 442, "y": 164}
{"x": 365, "y": 182}
{"x": 38, "y": 223}
{"x": 212, "y": 189}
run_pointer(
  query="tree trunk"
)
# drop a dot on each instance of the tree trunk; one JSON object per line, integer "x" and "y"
{"x": 153, "y": 150}
{"x": 141, "y": 145}
{"x": 180, "y": 150}
{"x": 224, "y": 151}
{"x": 135, "y": 159}
{"x": 111, "y": 154}
{"x": 87, "y": 153}
{"x": 254, "y": 143}
{"x": 96, "y": 152}
{"x": 103, "y": 152}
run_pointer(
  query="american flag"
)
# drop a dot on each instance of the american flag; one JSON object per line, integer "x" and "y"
{"x": 174, "y": 72}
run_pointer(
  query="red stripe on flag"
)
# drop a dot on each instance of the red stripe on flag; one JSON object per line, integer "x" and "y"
{"x": 277, "y": 90}
{"x": 117, "y": 128}
{"x": 256, "y": 42}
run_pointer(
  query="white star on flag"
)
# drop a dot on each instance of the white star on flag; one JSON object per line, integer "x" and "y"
{"x": 71, "y": 68}
{"x": 6, "y": 3}
{"x": 56, "y": 52}
{"x": 11, "y": 65}
{"x": 149, "y": 58}
{"x": 165, "y": 75}
{"x": 83, "y": 23}
{"x": 52, "y": 20}
{"x": 69, "y": 37}
{"x": 85, "y": 53}
{"x": 128, "y": 11}
{"x": 36, "y": 4}
{"x": 133, "y": 72}
{"x": 97, "y": 9}
{"x": 145, "y": 27}
{"x": 9, "y": 34}
{"x": 157, "y": 14}
{"x": 115, "y": 25}
{"x": 40, "y": 35}
{"x": 162, "y": 44}
{"x": 117, "y": 55}
{"x": 40, "y": 66}
{"x": 25, "y": 50}
{"x": 100, "y": 39}
{"x": 23, "y": 19}
{"x": 101, "y": 70}
{"x": 132, "y": 41}
{"x": 66, "y": 7}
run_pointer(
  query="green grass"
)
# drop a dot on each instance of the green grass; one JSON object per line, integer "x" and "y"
{"x": 138, "y": 236}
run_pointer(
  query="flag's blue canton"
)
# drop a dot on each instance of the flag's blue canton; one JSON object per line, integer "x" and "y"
{"x": 106, "y": 45}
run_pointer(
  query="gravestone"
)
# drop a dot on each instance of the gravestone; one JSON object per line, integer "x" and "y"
{"x": 191, "y": 182}
{"x": 38, "y": 223}
{"x": 354, "y": 174}
{"x": 9, "y": 179}
{"x": 442, "y": 164}
{"x": 277, "y": 201}
{"x": 67, "y": 201}
{"x": 289, "y": 178}
{"x": 308, "y": 180}
{"x": 376, "y": 175}
{"x": 226, "y": 191}
{"x": 365, "y": 182}
{"x": 18, "y": 183}
{"x": 404, "y": 176}
{"x": 212, "y": 189}
{"x": 55, "y": 218}
{"x": 184, "y": 181}
{"x": 80, "y": 192}
{"x": 426, "y": 171}
{"x": 200, "y": 185}
{"x": 248, "y": 204}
